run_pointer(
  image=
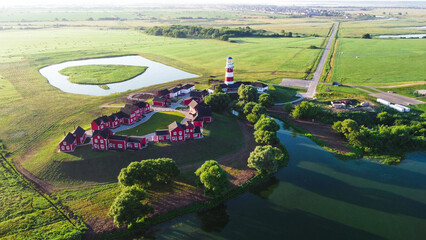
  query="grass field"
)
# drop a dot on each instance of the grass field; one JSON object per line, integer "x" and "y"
{"x": 101, "y": 74}
{"x": 341, "y": 92}
{"x": 26, "y": 215}
{"x": 159, "y": 120}
{"x": 86, "y": 166}
{"x": 378, "y": 62}
{"x": 283, "y": 94}
{"x": 406, "y": 91}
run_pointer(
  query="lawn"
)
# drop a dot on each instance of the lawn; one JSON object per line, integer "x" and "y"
{"x": 380, "y": 62}
{"x": 101, "y": 74}
{"x": 406, "y": 91}
{"x": 83, "y": 166}
{"x": 283, "y": 94}
{"x": 159, "y": 120}
{"x": 335, "y": 92}
{"x": 24, "y": 214}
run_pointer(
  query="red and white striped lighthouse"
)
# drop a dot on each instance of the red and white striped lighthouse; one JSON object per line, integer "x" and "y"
{"x": 229, "y": 75}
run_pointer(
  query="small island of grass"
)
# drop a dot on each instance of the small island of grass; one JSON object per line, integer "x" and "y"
{"x": 101, "y": 74}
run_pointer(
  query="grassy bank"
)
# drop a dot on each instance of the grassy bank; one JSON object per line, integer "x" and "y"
{"x": 159, "y": 120}
{"x": 101, "y": 74}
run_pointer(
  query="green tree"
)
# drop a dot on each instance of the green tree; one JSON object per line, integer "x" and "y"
{"x": 266, "y": 137}
{"x": 213, "y": 177}
{"x": 219, "y": 102}
{"x": 165, "y": 169}
{"x": 247, "y": 93}
{"x": 288, "y": 107}
{"x": 248, "y": 108}
{"x": 385, "y": 118}
{"x": 366, "y": 36}
{"x": 258, "y": 110}
{"x": 127, "y": 207}
{"x": 266, "y": 100}
{"x": 218, "y": 89}
{"x": 305, "y": 110}
{"x": 266, "y": 124}
{"x": 265, "y": 159}
{"x": 253, "y": 118}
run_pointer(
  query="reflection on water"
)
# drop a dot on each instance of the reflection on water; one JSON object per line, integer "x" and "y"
{"x": 317, "y": 196}
{"x": 403, "y": 36}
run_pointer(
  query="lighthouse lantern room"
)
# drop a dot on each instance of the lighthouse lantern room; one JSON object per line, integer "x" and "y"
{"x": 229, "y": 74}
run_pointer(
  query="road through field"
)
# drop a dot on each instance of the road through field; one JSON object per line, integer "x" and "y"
{"x": 314, "y": 82}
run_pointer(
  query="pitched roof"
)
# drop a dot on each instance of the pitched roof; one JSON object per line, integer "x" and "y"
{"x": 187, "y": 86}
{"x": 103, "y": 133}
{"x": 189, "y": 124}
{"x": 69, "y": 138}
{"x": 121, "y": 115}
{"x": 196, "y": 94}
{"x": 118, "y": 137}
{"x": 193, "y": 104}
{"x": 174, "y": 90}
{"x": 79, "y": 131}
{"x": 105, "y": 118}
{"x": 160, "y": 99}
{"x": 175, "y": 125}
{"x": 135, "y": 139}
{"x": 162, "y": 132}
{"x": 163, "y": 92}
{"x": 98, "y": 121}
{"x": 197, "y": 130}
{"x": 204, "y": 111}
{"x": 128, "y": 109}
{"x": 140, "y": 104}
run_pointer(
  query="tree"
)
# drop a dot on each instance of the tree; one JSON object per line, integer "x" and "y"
{"x": 127, "y": 207}
{"x": 258, "y": 110}
{"x": 218, "y": 101}
{"x": 165, "y": 169}
{"x": 218, "y": 89}
{"x": 253, "y": 118}
{"x": 213, "y": 177}
{"x": 266, "y": 124}
{"x": 247, "y": 93}
{"x": 266, "y": 100}
{"x": 266, "y": 137}
{"x": 248, "y": 108}
{"x": 265, "y": 159}
{"x": 305, "y": 110}
{"x": 288, "y": 107}
{"x": 385, "y": 118}
{"x": 366, "y": 36}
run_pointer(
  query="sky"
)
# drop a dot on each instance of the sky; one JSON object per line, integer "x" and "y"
{"x": 12, "y": 3}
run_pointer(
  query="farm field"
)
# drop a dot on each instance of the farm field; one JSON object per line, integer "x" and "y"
{"x": 379, "y": 62}
{"x": 101, "y": 74}
{"x": 24, "y": 214}
{"x": 84, "y": 166}
{"x": 159, "y": 120}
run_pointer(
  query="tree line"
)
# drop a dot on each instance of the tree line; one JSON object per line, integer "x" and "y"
{"x": 223, "y": 33}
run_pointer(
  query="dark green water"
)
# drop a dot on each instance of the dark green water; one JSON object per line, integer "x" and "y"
{"x": 318, "y": 197}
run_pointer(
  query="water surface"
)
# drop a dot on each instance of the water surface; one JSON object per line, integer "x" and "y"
{"x": 156, "y": 73}
{"x": 318, "y": 196}
{"x": 420, "y": 35}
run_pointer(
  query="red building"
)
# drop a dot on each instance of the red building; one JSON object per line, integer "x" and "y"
{"x": 197, "y": 133}
{"x": 80, "y": 135}
{"x": 100, "y": 139}
{"x": 189, "y": 130}
{"x": 129, "y": 115}
{"x": 143, "y": 106}
{"x": 177, "y": 132}
{"x": 100, "y": 123}
{"x": 200, "y": 114}
{"x": 68, "y": 144}
{"x": 132, "y": 110}
{"x": 117, "y": 142}
{"x": 163, "y": 92}
{"x": 160, "y": 101}
{"x": 161, "y": 136}
{"x": 116, "y": 120}
{"x": 136, "y": 143}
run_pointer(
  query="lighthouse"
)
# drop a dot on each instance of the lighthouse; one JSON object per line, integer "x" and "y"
{"x": 229, "y": 74}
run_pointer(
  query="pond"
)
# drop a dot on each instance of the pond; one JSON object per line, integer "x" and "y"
{"x": 155, "y": 74}
{"x": 318, "y": 196}
{"x": 420, "y": 35}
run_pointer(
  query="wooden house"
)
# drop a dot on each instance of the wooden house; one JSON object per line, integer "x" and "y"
{"x": 143, "y": 106}
{"x": 177, "y": 132}
{"x": 80, "y": 135}
{"x": 117, "y": 142}
{"x": 160, "y": 101}
{"x": 187, "y": 88}
{"x": 68, "y": 143}
{"x": 136, "y": 143}
{"x": 174, "y": 92}
{"x": 161, "y": 136}
{"x": 100, "y": 139}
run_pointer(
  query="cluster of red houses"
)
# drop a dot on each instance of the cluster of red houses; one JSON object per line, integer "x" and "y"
{"x": 106, "y": 140}
{"x": 190, "y": 130}
{"x": 71, "y": 140}
{"x": 163, "y": 96}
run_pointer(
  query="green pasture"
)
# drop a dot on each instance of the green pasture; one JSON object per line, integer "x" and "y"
{"x": 380, "y": 62}
{"x": 8, "y": 92}
{"x": 406, "y": 91}
{"x": 283, "y": 94}
{"x": 86, "y": 166}
{"x": 159, "y": 120}
{"x": 26, "y": 215}
{"x": 101, "y": 74}
{"x": 334, "y": 92}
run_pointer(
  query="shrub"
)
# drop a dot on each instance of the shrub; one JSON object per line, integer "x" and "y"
{"x": 213, "y": 177}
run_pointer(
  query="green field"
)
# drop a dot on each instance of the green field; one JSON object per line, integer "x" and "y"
{"x": 283, "y": 94}
{"x": 101, "y": 74}
{"x": 159, "y": 120}
{"x": 406, "y": 91}
{"x": 380, "y": 62}
{"x": 24, "y": 214}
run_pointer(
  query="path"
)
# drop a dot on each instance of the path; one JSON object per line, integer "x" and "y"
{"x": 312, "y": 84}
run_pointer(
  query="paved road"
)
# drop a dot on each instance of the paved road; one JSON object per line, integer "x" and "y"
{"x": 396, "y": 98}
{"x": 314, "y": 82}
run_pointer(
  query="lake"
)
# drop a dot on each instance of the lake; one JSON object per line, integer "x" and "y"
{"x": 318, "y": 196}
{"x": 156, "y": 73}
{"x": 420, "y": 35}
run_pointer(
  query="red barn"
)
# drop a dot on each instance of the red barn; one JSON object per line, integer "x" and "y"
{"x": 136, "y": 143}
{"x": 117, "y": 142}
{"x": 143, "y": 106}
{"x": 68, "y": 144}
{"x": 160, "y": 101}
{"x": 80, "y": 135}
{"x": 100, "y": 139}
{"x": 177, "y": 132}
{"x": 161, "y": 136}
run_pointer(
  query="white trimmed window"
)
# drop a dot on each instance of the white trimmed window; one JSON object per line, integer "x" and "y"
{"x": 180, "y": 133}
{"x": 102, "y": 141}
{"x": 136, "y": 145}
{"x": 96, "y": 146}
{"x": 96, "y": 140}
{"x": 120, "y": 145}
{"x": 102, "y": 146}
{"x": 68, "y": 148}
{"x": 180, "y": 137}
{"x": 62, "y": 148}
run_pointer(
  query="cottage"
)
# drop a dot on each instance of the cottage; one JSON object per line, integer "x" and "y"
{"x": 174, "y": 92}
{"x": 116, "y": 119}
{"x": 177, "y": 132}
{"x": 193, "y": 105}
{"x": 203, "y": 115}
{"x": 187, "y": 89}
{"x": 100, "y": 123}
{"x": 100, "y": 139}
{"x": 187, "y": 100}
{"x": 197, "y": 133}
{"x": 189, "y": 130}
{"x": 129, "y": 115}
{"x": 117, "y": 142}
{"x": 133, "y": 108}
{"x": 198, "y": 95}
{"x": 161, "y": 136}
{"x": 136, "y": 143}
{"x": 163, "y": 92}
{"x": 80, "y": 135}
{"x": 68, "y": 144}
{"x": 160, "y": 101}
{"x": 143, "y": 106}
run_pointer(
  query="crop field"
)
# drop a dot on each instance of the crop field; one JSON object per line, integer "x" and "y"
{"x": 380, "y": 62}
{"x": 26, "y": 215}
{"x": 159, "y": 120}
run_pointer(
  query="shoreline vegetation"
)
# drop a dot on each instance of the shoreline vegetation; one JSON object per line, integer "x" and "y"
{"x": 101, "y": 74}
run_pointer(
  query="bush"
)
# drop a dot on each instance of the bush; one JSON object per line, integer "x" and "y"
{"x": 213, "y": 177}
{"x": 265, "y": 159}
{"x": 305, "y": 110}
{"x": 266, "y": 100}
{"x": 366, "y": 36}
{"x": 288, "y": 107}
{"x": 266, "y": 124}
